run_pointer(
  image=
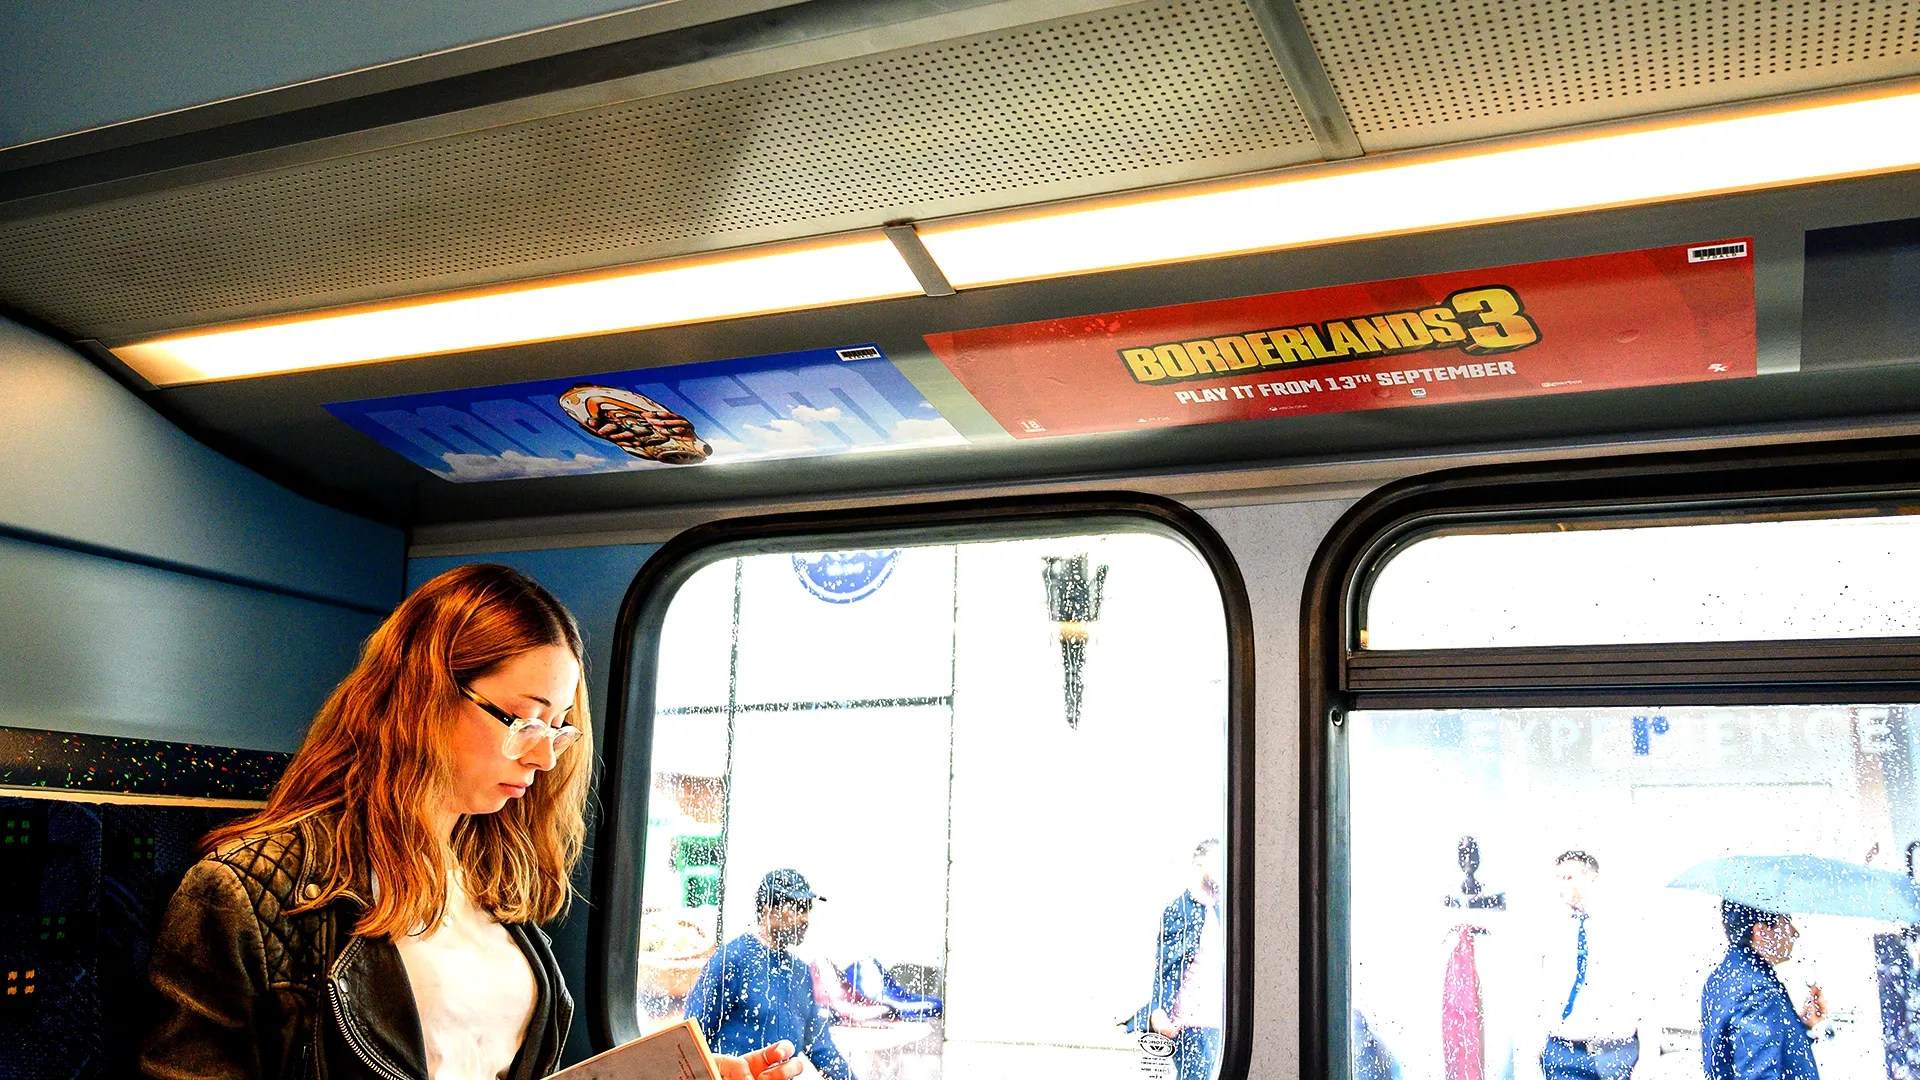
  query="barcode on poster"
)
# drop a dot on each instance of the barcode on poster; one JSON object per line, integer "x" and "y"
{"x": 863, "y": 352}
{"x": 1717, "y": 252}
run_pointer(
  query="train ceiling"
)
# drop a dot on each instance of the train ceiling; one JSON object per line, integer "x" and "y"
{"x": 700, "y": 126}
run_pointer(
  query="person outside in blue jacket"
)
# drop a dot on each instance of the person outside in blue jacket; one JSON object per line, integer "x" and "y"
{"x": 754, "y": 992}
{"x": 1749, "y": 1029}
{"x": 1190, "y": 970}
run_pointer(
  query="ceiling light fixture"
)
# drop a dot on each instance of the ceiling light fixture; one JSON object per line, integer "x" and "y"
{"x": 1706, "y": 154}
{"x": 753, "y": 282}
{"x": 1710, "y": 153}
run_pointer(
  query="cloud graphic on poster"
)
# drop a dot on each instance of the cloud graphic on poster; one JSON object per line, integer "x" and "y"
{"x": 788, "y": 436}
{"x": 806, "y": 414}
{"x": 514, "y": 465}
{"x": 935, "y": 432}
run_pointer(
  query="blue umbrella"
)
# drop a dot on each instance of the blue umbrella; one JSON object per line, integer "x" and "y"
{"x": 1806, "y": 884}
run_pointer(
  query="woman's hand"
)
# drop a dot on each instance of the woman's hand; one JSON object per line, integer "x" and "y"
{"x": 774, "y": 1062}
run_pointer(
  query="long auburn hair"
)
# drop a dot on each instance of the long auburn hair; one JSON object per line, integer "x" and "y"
{"x": 376, "y": 761}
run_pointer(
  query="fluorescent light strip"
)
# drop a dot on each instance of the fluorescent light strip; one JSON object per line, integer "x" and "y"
{"x": 1401, "y": 194}
{"x": 787, "y": 279}
{"x": 1688, "y": 159}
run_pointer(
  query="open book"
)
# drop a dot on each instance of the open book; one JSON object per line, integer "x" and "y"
{"x": 675, "y": 1053}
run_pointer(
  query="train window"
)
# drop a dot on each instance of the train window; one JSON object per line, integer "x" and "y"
{"x": 1568, "y": 583}
{"x": 952, "y": 805}
{"x": 1624, "y": 795}
{"x": 1540, "y": 889}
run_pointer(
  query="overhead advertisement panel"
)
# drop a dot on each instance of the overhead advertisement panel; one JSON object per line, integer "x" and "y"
{"x": 789, "y": 405}
{"x": 1600, "y": 322}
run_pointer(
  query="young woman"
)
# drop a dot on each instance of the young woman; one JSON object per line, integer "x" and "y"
{"x": 380, "y": 918}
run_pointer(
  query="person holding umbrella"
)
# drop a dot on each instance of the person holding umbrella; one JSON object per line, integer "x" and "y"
{"x": 1749, "y": 1029}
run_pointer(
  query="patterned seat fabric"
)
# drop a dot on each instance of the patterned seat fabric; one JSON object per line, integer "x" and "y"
{"x": 78, "y": 914}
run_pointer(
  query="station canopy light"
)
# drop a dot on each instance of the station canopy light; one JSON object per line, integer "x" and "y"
{"x": 1722, "y": 151}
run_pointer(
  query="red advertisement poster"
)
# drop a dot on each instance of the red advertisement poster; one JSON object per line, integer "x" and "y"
{"x": 1600, "y": 322}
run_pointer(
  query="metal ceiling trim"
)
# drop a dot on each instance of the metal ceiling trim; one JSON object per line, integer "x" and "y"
{"x": 1623, "y": 125}
{"x": 413, "y": 243}
{"x": 1286, "y": 34}
{"x": 1053, "y": 197}
{"x": 790, "y": 37}
{"x": 532, "y": 273}
{"x": 1429, "y": 74}
{"x": 652, "y": 17}
{"x": 906, "y": 240}
{"x": 1313, "y": 481}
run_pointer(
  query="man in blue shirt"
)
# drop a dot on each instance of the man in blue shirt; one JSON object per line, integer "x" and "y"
{"x": 754, "y": 992}
{"x": 1749, "y": 1029}
{"x": 1590, "y": 971}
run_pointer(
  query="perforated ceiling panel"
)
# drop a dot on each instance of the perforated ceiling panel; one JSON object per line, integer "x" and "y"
{"x": 1420, "y": 72}
{"x": 1141, "y": 94}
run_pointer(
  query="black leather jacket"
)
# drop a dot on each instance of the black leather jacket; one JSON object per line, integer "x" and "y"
{"x": 247, "y": 991}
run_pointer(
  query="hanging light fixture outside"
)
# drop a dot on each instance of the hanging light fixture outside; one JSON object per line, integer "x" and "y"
{"x": 1073, "y": 604}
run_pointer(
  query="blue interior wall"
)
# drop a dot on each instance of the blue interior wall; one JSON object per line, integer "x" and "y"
{"x": 591, "y": 581}
{"x": 150, "y": 587}
{"x": 89, "y": 464}
{"x": 78, "y": 64}
{"x": 106, "y": 647}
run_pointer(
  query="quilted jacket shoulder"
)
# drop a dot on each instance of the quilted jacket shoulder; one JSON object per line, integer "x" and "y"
{"x": 269, "y": 868}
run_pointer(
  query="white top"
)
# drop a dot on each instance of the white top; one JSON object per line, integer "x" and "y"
{"x": 1608, "y": 1005}
{"x": 1202, "y": 1002}
{"x": 473, "y": 988}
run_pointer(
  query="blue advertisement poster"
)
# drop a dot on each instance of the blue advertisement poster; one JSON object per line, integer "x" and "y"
{"x": 800, "y": 404}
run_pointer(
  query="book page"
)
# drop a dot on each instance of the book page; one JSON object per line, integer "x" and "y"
{"x": 675, "y": 1053}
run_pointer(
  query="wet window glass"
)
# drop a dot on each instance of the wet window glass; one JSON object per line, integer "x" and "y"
{"x": 1571, "y": 585}
{"x": 1656, "y": 893}
{"x": 944, "y": 811}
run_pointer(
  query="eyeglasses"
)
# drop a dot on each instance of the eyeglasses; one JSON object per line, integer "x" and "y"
{"x": 524, "y": 732}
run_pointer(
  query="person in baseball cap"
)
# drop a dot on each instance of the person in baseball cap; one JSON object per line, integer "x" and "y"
{"x": 754, "y": 992}
{"x": 785, "y": 887}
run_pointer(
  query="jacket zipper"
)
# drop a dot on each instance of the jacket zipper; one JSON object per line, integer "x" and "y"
{"x": 366, "y": 1056}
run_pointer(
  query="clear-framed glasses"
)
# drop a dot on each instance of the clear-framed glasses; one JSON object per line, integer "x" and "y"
{"x": 524, "y": 732}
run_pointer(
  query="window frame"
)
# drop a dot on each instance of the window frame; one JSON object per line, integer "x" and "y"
{"x": 1338, "y": 677}
{"x": 624, "y": 787}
